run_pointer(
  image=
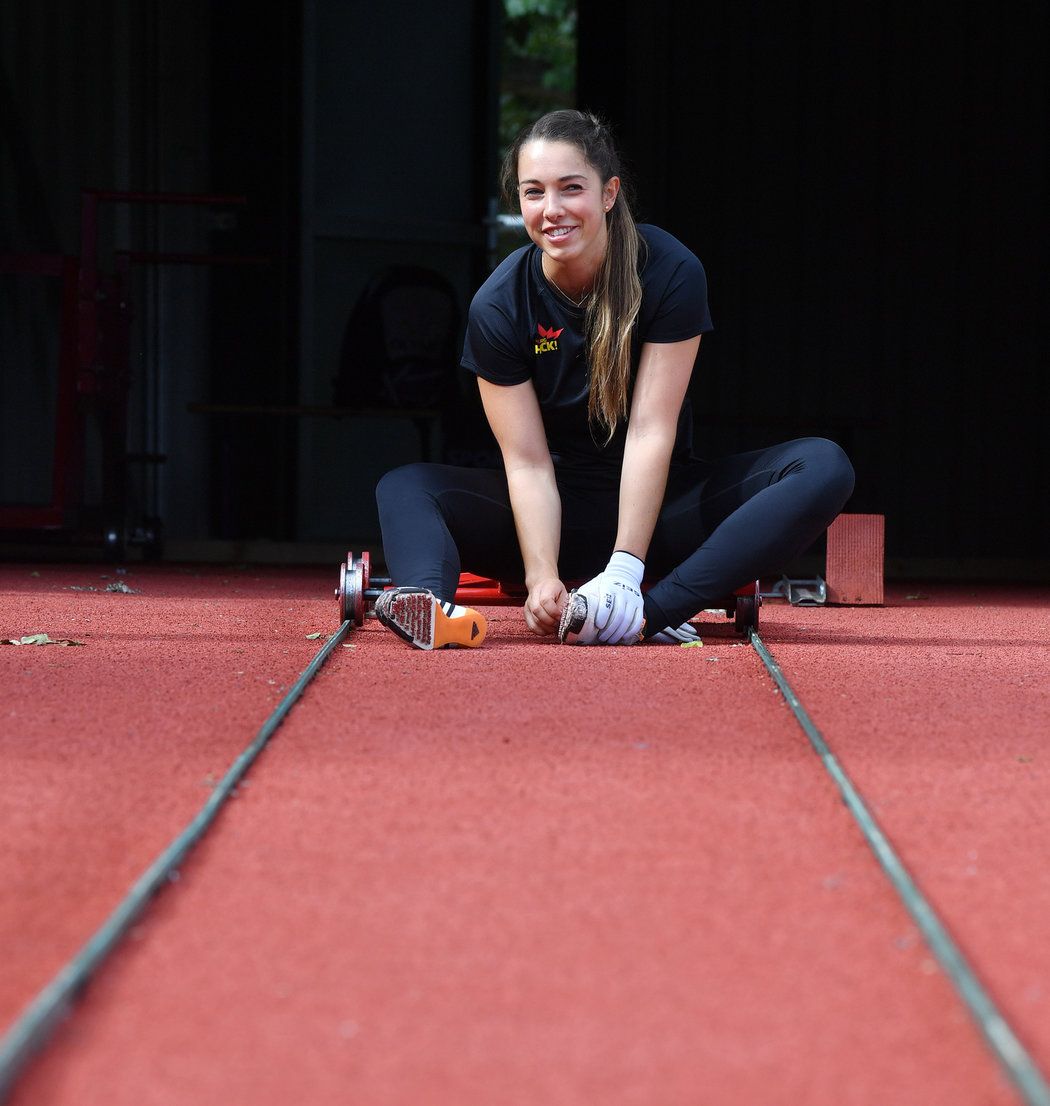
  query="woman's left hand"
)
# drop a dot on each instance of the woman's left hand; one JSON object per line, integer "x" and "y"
{"x": 544, "y": 605}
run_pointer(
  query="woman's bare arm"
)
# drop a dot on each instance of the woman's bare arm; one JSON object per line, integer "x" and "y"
{"x": 659, "y": 390}
{"x": 513, "y": 413}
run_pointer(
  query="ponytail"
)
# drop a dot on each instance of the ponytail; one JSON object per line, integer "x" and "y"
{"x": 610, "y": 318}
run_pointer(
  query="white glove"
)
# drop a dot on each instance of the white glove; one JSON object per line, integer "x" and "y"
{"x": 618, "y": 617}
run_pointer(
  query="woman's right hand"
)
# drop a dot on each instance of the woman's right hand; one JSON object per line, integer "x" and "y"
{"x": 547, "y": 599}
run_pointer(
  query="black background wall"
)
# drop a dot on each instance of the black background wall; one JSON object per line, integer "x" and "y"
{"x": 255, "y": 135}
{"x": 866, "y": 186}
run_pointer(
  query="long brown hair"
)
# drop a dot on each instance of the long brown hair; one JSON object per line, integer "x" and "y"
{"x": 617, "y": 294}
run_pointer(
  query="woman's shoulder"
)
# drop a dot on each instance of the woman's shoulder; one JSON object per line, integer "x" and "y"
{"x": 674, "y": 289}
{"x": 494, "y": 346}
{"x": 504, "y": 285}
{"x": 662, "y": 246}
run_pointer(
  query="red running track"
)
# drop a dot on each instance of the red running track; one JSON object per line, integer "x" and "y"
{"x": 109, "y": 749}
{"x": 523, "y": 874}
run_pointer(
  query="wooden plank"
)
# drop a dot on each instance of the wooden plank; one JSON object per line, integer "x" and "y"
{"x": 855, "y": 560}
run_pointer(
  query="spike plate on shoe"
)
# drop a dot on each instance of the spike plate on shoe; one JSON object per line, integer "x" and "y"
{"x": 419, "y": 618}
{"x": 573, "y": 616}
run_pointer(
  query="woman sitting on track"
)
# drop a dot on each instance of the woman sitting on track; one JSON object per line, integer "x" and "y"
{"x": 583, "y": 344}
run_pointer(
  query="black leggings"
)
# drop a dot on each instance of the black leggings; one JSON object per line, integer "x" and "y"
{"x": 722, "y": 523}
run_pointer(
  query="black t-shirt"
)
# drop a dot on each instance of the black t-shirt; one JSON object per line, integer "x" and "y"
{"x": 520, "y": 329}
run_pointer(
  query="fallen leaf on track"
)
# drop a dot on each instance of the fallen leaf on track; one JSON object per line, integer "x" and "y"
{"x": 313, "y": 637}
{"x": 40, "y": 639}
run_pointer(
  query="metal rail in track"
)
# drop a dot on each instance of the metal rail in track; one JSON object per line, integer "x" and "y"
{"x": 1007, "y": 1048}
{"x": 38, "y": 1020}
{"x": 33, "y": 1028}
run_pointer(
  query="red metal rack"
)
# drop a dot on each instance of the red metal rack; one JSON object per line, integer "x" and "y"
{"x": 94, "y": 366}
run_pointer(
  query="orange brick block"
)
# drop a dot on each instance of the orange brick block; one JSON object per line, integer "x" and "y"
{"x": 856, "y": 555}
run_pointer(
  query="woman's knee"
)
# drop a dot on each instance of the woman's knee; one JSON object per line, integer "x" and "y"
{"x": 828, "y": 460}
{"x": 403, "y": 484}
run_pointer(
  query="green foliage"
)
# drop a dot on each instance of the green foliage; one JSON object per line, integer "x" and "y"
{"x": 539, "y": 62}
{"x": 538, "y": 74}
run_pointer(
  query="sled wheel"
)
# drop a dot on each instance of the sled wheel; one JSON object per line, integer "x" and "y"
{"x": 746, "y": 615}
{"x": 366, "y": 570}
{"x": 748, "y": 600}
{"x": 351, "y": 592}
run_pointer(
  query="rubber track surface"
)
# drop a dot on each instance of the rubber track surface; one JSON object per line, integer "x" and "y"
{"x": 947, "y": 735}
{"x": 524, "y": 874}
{"x": 108, "y": 749}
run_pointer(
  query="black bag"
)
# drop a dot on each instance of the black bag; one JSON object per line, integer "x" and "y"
{"x": 399, "y": 347}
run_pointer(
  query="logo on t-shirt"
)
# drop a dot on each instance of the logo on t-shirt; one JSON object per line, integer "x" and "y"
{"x": 548, "y": 342}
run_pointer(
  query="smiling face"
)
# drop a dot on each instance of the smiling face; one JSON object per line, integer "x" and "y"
{"x": 564, "y": 203}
